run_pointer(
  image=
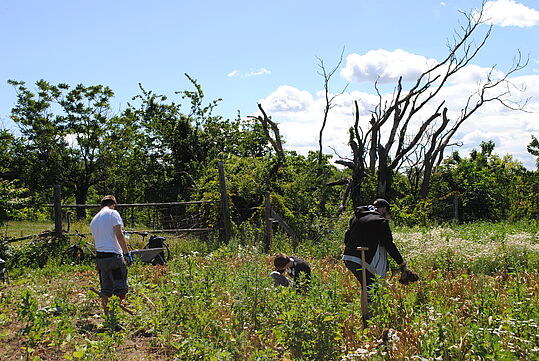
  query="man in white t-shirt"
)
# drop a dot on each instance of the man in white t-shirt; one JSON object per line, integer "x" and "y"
{"x": 111, "y": 248}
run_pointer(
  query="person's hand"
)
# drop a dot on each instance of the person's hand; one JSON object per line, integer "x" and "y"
{"x": 128, "y": 258}
{"x": 407, "y": 276}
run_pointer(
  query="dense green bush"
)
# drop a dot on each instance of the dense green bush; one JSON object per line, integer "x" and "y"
{"x": 37, "y": 252}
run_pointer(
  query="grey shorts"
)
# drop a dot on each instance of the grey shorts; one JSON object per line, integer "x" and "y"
{"x": 112, "y": 275}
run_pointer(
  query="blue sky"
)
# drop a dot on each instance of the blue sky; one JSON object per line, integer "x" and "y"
{"x": 247, "y": 52}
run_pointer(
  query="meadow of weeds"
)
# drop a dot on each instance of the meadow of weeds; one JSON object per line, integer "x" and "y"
{"x": 477, "y": 299}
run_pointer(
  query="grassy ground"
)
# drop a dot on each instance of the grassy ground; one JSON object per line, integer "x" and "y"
{"x": 478, "y": 299}
{"x": 15, "y": 229}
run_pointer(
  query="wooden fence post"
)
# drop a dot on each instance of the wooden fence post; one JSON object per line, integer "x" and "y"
{"x": 225, "y": 231}
{"x": 456, "y": 202}
{"x": 269, "y": 232}
{"x": 57, "y": 211}
{"x": 535, "y": 200}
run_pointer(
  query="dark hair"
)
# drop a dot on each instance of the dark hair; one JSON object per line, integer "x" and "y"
{"x": 109, "y": 200}
{"x": 380, "y": 202}
{"x": 281, "y": 260}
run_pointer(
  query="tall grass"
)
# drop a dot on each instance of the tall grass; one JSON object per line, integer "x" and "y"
{"x": 471, "y": 303}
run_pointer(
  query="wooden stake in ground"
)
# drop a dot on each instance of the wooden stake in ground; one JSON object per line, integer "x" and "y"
{"x": 363, "y": 284}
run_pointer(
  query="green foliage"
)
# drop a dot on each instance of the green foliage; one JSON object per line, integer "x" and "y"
{"x": 35, "y": 253}
{"x": 297, "y": 193}
{"x": 310, "y": 327}
{"x": 10, "y": 197}
{"x": 65, "y": 133}
{"x": 162, "y": 150}
{"x": 7, "y": 150}
{"x": 483, "y": 186}
{"x": 36, "y": 322}
{"x": 487, "y": 187}
{"x": 113, "y": 319}
{"x": 221, "y": 305}
{"x": 533, "y": 149}
{"x": 407, "y": 211}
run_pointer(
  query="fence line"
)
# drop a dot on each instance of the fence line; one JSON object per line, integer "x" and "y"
{"x": 132, "y": 204}
{"x": 225, "y": 228}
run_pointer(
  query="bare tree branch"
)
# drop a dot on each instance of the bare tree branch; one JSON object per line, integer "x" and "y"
{"x": 328, "y": 99}
{"x": 274, "y": 140}
{"x": 415, "y": 125}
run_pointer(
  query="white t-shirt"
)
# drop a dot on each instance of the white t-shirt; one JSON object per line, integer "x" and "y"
{"x": 102, "y": 227}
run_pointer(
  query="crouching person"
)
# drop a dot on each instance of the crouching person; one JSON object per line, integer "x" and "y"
{"x": 279, "y": 279}
{"x": 111, "y": 246}
{"x": 295, "y": 267}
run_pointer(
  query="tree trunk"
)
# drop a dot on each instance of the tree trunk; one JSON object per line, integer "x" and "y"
{"x": 81, "y": 195}
{"x": 356, "y": 193}
{"x": 425, "y": 184}
{"x": 374, "y": 146}
{"x": 384, "y": 174}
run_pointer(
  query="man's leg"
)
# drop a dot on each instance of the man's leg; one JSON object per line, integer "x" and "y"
{"x": 105, "y": 267}
{"x": 119, "y": 277}
{"x": 105, "y": 292}
{"x": 356, "y": 271}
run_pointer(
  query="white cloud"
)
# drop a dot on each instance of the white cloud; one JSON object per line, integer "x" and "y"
{"x": 474, "y": 74}
{"x": 510, "y": 130}
{"x": 288, "y": 100}
{"x": 386, "y": 66}
{"x": 262, "y": 71}
{"x": 443, "y": 3}
{"x": 299, "y": 114}
{"x": 510, "y": 13}
{"x": 237, "y": 73}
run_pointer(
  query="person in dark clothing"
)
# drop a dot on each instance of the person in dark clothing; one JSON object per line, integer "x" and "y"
{"x": 298, "y": 269}
{"x": 279, "y": 279}
{"x": 370, "y": 228}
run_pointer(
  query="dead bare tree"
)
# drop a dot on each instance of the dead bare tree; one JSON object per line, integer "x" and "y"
{"x": 404, "y": 120}
{"x": 329, "y": 98}
{"x": 275, "y": 139}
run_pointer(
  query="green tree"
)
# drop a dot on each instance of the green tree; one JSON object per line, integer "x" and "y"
{"x": 533, "y": 149}
{"x": 7, "y": 150}
{"x": 65, "y": 131}
{"x": 39, "y": 158}
{"x": 296, "y": 193}
{"x": 180, "y": 144}
{"x": 132, "y": 169}
{"x": 172, "y": 145}
{"x": 10, "y": 193}
{"x": 488, "y": 186}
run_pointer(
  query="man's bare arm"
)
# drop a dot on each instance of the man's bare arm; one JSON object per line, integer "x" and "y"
{"x": 121, "y": 239}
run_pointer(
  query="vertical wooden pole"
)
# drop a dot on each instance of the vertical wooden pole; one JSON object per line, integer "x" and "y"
{"x": 57, "y": 211}
{"x": 226, "y": 226}
{"x": 269, "y": 232}
{"x": 535, "y": 200}
{"x": 456, "y": 215}
{"x": 364, "y": 290}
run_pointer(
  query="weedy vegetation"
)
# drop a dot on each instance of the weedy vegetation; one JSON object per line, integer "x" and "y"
{"x": 477, "y": 299}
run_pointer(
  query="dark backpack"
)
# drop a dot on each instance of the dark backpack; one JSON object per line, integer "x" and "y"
{"x": 158, "y": 242}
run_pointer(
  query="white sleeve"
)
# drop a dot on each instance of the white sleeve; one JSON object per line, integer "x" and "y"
{"x": 116, "y": 219}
